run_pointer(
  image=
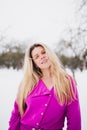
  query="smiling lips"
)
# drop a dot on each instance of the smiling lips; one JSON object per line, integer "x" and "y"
{"x": 44, "y": 61}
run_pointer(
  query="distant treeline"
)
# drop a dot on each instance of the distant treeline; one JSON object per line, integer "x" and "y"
{"x": 14, "y": 57}
{"x": 11, "y": 59}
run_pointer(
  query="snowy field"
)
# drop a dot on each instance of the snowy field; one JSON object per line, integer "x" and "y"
{"x": 9, "y": 81}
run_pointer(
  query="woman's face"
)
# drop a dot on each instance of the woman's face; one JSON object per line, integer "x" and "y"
{"x": 40, "y": 58}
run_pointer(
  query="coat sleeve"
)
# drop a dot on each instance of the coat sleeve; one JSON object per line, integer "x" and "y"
{"x": 73, "y": 112}
{"x": 14, "y": 122}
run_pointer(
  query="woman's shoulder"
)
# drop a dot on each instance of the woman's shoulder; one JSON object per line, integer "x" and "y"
{"x": 72, "y": 79}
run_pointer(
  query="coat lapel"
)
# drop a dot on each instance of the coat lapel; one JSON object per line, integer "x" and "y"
{"x": 41, "y": 89}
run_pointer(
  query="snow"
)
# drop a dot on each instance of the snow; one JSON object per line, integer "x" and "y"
{"x": 9, "y": 81}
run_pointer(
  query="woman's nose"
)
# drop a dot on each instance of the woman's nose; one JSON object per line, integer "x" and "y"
{"x": 42, "y": 56}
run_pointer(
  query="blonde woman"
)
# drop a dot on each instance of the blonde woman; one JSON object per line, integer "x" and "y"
{"x": 47, "y": 94}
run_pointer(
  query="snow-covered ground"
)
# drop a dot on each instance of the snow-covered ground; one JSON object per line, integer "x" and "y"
{"x": 9, "y": 81}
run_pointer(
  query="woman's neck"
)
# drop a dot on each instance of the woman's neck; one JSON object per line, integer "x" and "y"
{"x": 46, "y": 73}
{"x": 47, "y": 79}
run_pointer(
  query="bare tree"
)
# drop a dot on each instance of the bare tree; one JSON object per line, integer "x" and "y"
{"x": 74, "y": 43}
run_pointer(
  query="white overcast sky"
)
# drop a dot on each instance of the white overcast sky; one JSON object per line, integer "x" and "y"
{"x": 39, "y": 20}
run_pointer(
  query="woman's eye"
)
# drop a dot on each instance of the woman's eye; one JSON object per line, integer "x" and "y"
{"x": 36, "y": 57}
{"x": 43, "y": 52}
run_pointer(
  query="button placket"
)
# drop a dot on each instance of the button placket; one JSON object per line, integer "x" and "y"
{"x": 45, "y": 105}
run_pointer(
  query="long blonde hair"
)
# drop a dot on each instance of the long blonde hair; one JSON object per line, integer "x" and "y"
{"x": 62, "y": 86}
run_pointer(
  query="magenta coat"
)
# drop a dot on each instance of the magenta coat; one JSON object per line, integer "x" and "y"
{"x": 44, "y": 112}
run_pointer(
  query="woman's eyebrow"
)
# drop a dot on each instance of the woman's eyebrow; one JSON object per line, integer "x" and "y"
{"x": 35, "y": 55}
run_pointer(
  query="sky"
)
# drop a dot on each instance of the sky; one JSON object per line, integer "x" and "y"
{"x": 36, "y": 20}
{"x": 9, "y": 82}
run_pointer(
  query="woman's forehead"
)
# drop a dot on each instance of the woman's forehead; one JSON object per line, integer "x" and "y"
{"x": 37, "y": 50}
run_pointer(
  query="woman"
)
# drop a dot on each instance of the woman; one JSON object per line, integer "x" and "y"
{"x": 47, "y": 94}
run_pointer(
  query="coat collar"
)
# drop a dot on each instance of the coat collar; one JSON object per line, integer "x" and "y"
{"x": 41, "y": 89}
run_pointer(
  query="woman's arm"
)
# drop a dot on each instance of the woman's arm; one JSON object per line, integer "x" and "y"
{"x": 73, "y": 113}
{"x": 14, "y": 123}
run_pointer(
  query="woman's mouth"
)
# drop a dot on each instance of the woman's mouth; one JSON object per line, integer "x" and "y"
{"x": 44, "y": 61}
